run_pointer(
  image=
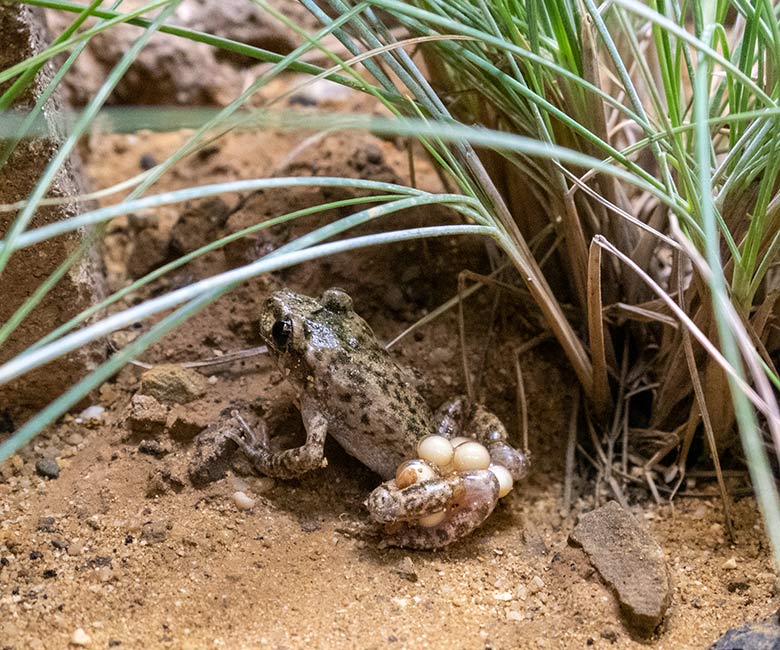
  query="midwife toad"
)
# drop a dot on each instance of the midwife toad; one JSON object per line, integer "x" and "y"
{"x": 349, "y": 387}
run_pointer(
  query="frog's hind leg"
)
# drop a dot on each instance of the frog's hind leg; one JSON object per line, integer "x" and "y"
{"x": 288, "y": 463}
{"x": 466, "y": 499}
{"x": 458, "y": 417}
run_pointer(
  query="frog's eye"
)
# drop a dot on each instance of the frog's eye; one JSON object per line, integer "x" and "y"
{"x": 336, "y": 300}
{"x": 281, "y": 332}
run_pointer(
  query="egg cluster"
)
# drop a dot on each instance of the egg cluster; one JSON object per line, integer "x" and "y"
{"x": 439, "y": 455}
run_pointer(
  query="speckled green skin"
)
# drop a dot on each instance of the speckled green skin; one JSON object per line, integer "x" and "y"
{"x": 350, "y": 388}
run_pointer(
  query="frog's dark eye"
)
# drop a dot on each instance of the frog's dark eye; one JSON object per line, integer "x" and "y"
{"x": 281, "y": 332}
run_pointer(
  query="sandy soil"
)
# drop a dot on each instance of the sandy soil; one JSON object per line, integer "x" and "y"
{"x": 122, "y": 546}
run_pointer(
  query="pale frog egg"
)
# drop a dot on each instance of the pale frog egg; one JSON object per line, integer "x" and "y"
{"x": 413, "y": 471}
{"x": 436, "y": 449}
{"x": 470, "y": 456}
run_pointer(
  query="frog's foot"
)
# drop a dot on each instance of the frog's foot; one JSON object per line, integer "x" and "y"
{"x": 288, "y": 463}
{"x": 433, "y": 513}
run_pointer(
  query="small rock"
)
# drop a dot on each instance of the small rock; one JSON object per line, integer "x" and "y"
{"x": 729, "y": 564}
{"x": 738, "y": 586}
{"x": 535, "y": 585}
{"x": 48, "y": 468}
{"x": 503, "y": 595}
{"x": 154, "y": 448}
{"x": 74, "y": 439}
{"x": 405, "y": 568}
{"x": 172, "y": 384}
{"x": 80, "y": 637}
{"x": 758, "y": 635}
{"x": 147, "y": 416}
{"x": 155, "y": 532}
{"x": 309, "y": 523}
{"x": 243, "y": 501}
{"x": 610, "y": 635}
{"x": 47, "y": 524}
{"x": 75, "y": 548}
{"x": 629, "y": 560}
{"x": 94, "y": 411}
{"x": 92, "y": 416}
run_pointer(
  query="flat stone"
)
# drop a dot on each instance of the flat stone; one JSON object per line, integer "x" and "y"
{"x": 630, "y": 561}
{"x": 172, "y": 384}
{"x": 758, "y": 635}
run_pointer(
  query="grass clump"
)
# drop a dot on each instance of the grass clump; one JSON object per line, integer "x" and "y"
{"x": 633, "y": 144}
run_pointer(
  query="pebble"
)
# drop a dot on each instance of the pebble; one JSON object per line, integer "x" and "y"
{"x": 47, "y": 524}
{"x": 48, "y": 468}
{"x": 406, "y": 569}
{"x": 172, "y": 384}
{"x": 80, "y": 637}
{"x": 630, "y": 561}
{"x": 92, "y": 413}
{"x": 154, "y": 532}
{"x": 536, "y": 585}
{"x": 74, "y": 439}
{"x": 729, "y": 564}
{"x": 75, "y": 548}
{"x": 243, "y": 501}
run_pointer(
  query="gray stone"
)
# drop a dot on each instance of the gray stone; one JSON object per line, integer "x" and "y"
{"x": 48, "y": 468}
{"x": 630, "y": 561}
{"x": 23, "y": 34}
{"x": 758, "y": 635}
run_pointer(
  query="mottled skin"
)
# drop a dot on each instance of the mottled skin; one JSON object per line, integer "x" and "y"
{"x": 350, "y": 388}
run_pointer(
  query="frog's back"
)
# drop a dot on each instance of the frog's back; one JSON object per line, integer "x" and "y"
{"x": 376, "y": 414}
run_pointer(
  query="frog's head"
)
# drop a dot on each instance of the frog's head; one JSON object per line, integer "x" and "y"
{"x": 301, "y": 331}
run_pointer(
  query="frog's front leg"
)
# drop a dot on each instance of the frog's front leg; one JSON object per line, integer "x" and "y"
{"x": 288, "y": 463}
{"x": 436, "y": 512}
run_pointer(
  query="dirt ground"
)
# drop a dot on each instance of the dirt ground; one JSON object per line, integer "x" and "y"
{"x": 122, "y": 546}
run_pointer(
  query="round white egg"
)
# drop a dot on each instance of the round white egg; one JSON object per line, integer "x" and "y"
{"x": 469, "y": 456}
{"x": 505, "y": 480}
{"x": 436, "y": 449}
{"x": 413, "y": 471}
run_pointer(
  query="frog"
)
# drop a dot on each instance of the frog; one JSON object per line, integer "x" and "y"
{"x": 348, "y": 386}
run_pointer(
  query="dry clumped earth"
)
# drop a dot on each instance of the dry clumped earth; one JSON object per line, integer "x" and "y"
{"x": 123, "y": 547}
